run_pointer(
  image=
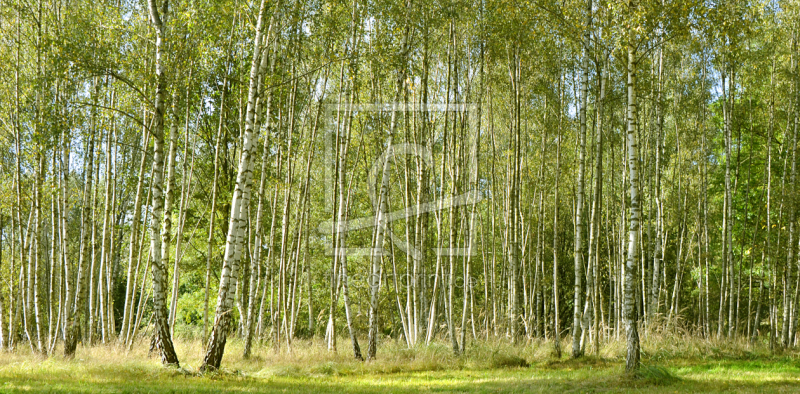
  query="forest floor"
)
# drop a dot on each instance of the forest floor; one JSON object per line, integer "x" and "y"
{"x": 676, "y": 366}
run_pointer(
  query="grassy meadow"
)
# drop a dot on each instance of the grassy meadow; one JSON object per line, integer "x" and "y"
{"x": 670, "y": 365}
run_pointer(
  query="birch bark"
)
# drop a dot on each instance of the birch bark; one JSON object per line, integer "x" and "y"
{"x": 238, "y": 215}
{"x": 163, "y": 338}
{"x": 629, "y": 307}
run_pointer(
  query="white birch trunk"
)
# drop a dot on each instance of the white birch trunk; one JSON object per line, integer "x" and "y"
{"x": 238, "y": 219}
{"x": 629, "y": 308}
{"x": 162, "y": 335}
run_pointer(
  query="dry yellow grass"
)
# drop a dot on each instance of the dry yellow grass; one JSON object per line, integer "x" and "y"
{"x": 672, "y": 363}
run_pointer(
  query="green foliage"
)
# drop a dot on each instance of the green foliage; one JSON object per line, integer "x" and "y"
{"x": 70, "y": 73}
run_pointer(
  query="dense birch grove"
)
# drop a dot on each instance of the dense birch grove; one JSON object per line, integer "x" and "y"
{"x": 560, "y": 174}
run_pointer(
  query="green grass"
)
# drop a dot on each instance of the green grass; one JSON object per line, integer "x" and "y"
{"x": 485, "y": 368}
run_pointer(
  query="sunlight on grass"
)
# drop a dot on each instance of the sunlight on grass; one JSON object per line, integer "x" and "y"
{"x": 677, "y": 366}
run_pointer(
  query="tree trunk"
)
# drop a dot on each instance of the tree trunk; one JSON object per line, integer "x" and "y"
{"x": 578, "y": 246}
{"x": 238, "y": 216}
{"x": 133, "y": 247}
{"x": 256, "y": 260}
{"x": 162, "y": 333}
{"x": 71, "y": 341}
{"x": 658, "y": 251}
{"x": 631, "y": 329}
{"x": 210, "y": 242}
{"x": 105, "y": 242}
{"x": 3, "y": 341}
{"x": 556, "y": 325}
{"x": 597, "y": 202}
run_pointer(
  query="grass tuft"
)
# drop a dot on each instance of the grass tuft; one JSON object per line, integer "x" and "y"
{"x": 281, "y": 371}
{"x": 500, "y": 360}
{"x": 654, "y": 375}
{"x": 586, "y": 361}
{"x": 328, "y": 368}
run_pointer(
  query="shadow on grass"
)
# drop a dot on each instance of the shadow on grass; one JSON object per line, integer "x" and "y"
{"x": 469, "y": 382}
{"x": 586, "y": 361}
{"x": 584, "y": 375}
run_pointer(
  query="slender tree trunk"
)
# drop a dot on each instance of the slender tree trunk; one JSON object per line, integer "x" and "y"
{"x": 105, "y": 241}
{"x": 169, "y": 199}
{"x": 71, "y": 341}
{"x": 556, "y": 323}
{"x": 133, "y": 247}
{"x": 163, "y": 337}
{"x": 597, "y": 201}
{"x": 3, "y": 341}
{"x": 632, "y": 333}
{"x": 381, "y": 227}
{"x": 768, "y": 176}
{"x": 137, "y": 316}
{"x": 255, "y": 264}
{"x": 36, "y": 253}
{"x": 791, "y": 210}
{"x": 186, "y": 185}
{"x": 66, "y": 305}
{"x": 658, "y": 243}
{"x": 238, "y": 216}
{"x": 210, "y": 242}
{"x": 52, "y": 300}
{"x": 513, "y": 212}
{"x": 579, "y": 198}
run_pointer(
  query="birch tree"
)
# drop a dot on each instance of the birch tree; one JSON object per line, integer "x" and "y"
{"x": 163, "y": 335}
{"x": 631, "y": 326}
{"x": 238, "y": 219}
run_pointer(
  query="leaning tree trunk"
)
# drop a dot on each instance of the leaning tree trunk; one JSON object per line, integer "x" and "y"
{"x": 256, "y": 260}
{"x": 238, "y": 216}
